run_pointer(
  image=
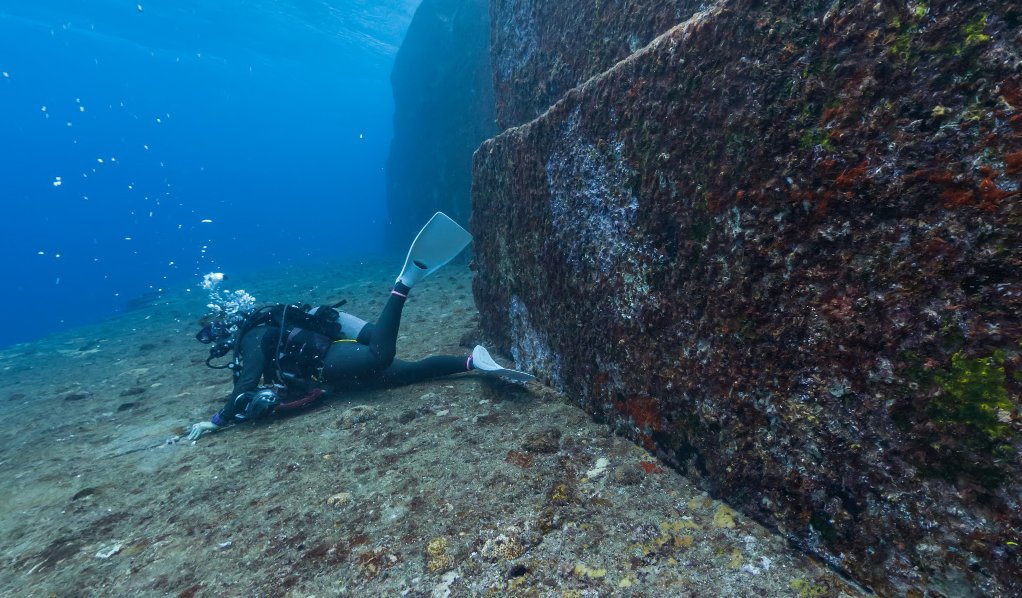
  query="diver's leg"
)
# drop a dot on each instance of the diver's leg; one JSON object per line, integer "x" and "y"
{"x": 349, "y": 362}
{"x": 403, "y": 372}
{"x": 375, "y": 348}
{"x": 384, "y": 334}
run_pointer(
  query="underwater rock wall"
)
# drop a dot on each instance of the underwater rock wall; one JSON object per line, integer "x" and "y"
{"x": 443, "y": 110}
{"x": 543, "y": 49}
{"x": 781, "y": 247}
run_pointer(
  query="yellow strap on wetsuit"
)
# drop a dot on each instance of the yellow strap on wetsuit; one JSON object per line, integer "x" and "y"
{"x": 319, "y": 374}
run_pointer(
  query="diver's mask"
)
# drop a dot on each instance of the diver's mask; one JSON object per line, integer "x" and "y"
{"x": 214, "y": 331}
{"x": 218, "y": 334}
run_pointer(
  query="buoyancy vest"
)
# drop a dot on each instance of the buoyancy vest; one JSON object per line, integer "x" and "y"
{"x": 305, "y": 337}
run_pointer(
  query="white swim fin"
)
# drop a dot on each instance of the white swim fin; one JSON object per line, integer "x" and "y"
{"x": 436, "y": 244}
{"x": 481, "y": 360}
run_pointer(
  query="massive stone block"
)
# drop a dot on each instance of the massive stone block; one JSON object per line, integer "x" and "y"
{"x": 781, "y": 247}
{"x": 443, "y": 110}
{"x": 543, "y": 48}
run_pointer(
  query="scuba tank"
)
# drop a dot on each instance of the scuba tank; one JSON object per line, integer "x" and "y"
{"x": 305, "y": 334}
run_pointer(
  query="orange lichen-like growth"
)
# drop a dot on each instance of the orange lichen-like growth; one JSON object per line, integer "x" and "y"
{"x": 650, "y": 467}
{"x": 829, "y": 114}
{"x": 941, "y": 178}
{"x": 991, "y": 195}
{"x": 1013, "y": 163}
{"x": 644, "y": 412}
{"x": 713, "y": 203}
{"x": 646, "y": 417}
{"x": 958, "y": 198}
{"x": 987, "y": 171}
{"x": 1012, "y": 93}
{"x": 851, "y": 176}
{"x": 519, "y": 459}
{"x": 822, "y": 202}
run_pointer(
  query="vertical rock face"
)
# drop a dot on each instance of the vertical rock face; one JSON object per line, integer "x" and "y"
{"x": 443, "y": 110}
{"x": 782, "y": 248}
{"x": 541, "y": 49}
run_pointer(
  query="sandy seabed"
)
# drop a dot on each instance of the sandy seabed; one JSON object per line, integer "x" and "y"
{"x": 463, "y": 486}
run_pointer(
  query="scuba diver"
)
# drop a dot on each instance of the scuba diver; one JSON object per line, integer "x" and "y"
{"x": 297, "y": 350}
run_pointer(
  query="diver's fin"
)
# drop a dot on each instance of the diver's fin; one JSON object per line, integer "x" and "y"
{"x": 481, "y": 360}
{"x": 435, "y": 245}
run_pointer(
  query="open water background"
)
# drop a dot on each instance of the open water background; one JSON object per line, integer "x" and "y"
{"x": 125, "y": 125}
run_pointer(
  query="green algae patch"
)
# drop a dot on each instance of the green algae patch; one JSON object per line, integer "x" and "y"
{"x": 583, "y": 570}
{"x": 961, "y": 418}
{"x": 672, "y": 538}
{"x": 974, "y": 31}
{"x": 905, "y": 33}
{"x": 973, "y": 35}
{"x": 807, "y": 589}
{"x": 970, "y": 415}
{"x": 974, "y": 395}
{"x": 724, "y": 517}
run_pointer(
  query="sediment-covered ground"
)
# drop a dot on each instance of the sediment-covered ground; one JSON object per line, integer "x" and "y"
{"x": 464, "y": 486}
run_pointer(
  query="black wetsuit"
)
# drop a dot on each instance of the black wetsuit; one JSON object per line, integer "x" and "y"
{"x": 368, "y": 359}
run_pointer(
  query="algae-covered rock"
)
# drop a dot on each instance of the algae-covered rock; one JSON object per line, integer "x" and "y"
{"x": 543, "y": 49}
{"x": 781, "y": 246}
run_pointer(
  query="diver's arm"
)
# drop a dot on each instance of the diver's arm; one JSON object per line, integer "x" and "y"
{"x": 220, "y": 420}
{"x": 254, "y": 346}
{"x": 257, "y": 349}
{"x": 200, "y": 428}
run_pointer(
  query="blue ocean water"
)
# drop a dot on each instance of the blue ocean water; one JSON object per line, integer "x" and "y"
{"x": 143, "y": 144}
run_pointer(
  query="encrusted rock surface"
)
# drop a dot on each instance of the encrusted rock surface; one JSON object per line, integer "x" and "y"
{"x": 542, "y": 49}
{"x": 443, "y": 110}
{"x": 781, "y": 247}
